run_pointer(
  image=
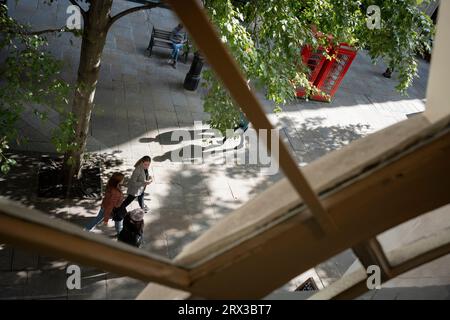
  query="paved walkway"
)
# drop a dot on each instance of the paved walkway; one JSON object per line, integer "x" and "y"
{"x": 140, "y": 102}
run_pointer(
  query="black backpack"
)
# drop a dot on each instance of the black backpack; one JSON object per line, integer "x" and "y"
{"x": 119, "y": 213}
{"x": 132, "y": 231}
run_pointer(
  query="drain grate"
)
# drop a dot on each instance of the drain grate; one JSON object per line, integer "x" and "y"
{"x": 308, "y": 285}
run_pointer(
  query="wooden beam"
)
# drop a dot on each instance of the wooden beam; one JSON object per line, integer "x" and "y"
{"x": 229, "y": 239}
{"x": 327, "y": 174}
{"x": 355, "y": 282}
{"x": 419, "y": 253}
{"x": 206, "y": 38}
{"x": 32, "y": 229}
{"x": 370, "y": 252}
{"x": 412, "y": 183}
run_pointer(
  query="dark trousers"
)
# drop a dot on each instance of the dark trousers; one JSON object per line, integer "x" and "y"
{"x": 130, "y": 199}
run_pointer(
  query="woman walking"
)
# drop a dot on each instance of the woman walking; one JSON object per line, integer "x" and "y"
{"x": 139, "y": 180}
{"x": 113, "y": 199}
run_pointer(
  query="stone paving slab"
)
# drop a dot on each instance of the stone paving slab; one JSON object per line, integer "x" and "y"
{"x": 407, "y": 293}
{"x": 93, "y": 285}
{"x": 122, "y": 288}
{"x": 13, "y": 285}
{"x": 23, "y": 260}
{"x": 46, "y": 284}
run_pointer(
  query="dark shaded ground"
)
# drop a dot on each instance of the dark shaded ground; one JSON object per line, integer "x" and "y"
{"x": 51, "y": 180}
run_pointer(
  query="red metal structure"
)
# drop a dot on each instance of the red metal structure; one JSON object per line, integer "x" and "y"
{"x": 315, "y": 60}
{"x": 333, "y": 71}
{"x": 327, "y": 75}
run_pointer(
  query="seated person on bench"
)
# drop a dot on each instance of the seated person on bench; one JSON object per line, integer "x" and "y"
{"x": 178, "y": 39}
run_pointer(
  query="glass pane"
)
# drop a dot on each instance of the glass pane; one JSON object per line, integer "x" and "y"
{"x": 415, "y": 229}
{"x": 318, "y": 278}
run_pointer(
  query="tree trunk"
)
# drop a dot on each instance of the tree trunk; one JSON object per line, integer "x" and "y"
{"x": 93, "y": 41}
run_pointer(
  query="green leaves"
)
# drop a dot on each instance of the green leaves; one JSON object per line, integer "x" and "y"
{"x": 405, "y": 31}
{"x": 28, "y": 77}
{"x": 5, "y": 168}
{"x": 63, "y": 137}
{"x": 266, "y": 37}
{"x": 5, "y": 163}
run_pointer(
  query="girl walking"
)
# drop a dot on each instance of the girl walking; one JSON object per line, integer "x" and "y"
{"x": 113, "y": 199}
{"x": 139, "y": 180}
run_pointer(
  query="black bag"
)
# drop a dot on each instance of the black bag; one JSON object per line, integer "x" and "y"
{"x": 132, "y": 232}
{"x": 119, "y": 213}
{"x": 130, "y": 237}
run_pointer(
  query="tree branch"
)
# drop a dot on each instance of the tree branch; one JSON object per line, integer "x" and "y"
{"x": 76, "y": 4}
{"x": 83, "y": 12}
{"x": 32, "y": 33}
{"x": 134, "y": 9}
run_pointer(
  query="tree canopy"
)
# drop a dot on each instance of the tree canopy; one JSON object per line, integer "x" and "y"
{"x": 266, "y": 38}
{"x": 31, "y": 74}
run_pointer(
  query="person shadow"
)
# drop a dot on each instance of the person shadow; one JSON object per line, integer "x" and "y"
{"x": 189, "y": 152}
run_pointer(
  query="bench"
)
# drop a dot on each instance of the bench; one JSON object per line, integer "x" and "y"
{"x": 161, "y": 38}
